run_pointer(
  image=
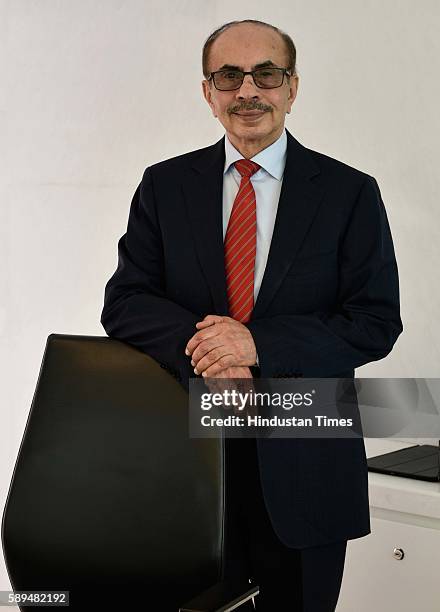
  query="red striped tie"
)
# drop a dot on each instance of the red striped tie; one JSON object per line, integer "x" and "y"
{"x": 241, "y": 245}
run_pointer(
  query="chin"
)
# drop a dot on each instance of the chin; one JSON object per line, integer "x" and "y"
{"x": 252, "y": 130}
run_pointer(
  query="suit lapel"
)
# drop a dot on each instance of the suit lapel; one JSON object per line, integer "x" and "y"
{"x": 299, "y": 202}
{"x": 203, "y": 191}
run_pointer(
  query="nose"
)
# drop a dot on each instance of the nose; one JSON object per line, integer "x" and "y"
{"x": 248, "y": 88}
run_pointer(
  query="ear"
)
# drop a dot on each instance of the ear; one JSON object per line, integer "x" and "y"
{"x": 207, "y": 93}
{"x": 293, "y": 91}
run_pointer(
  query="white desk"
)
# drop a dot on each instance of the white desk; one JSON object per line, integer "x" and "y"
{"x": 405, "y": 515}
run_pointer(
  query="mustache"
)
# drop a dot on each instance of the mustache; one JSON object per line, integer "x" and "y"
{"x": 244, "y": 106}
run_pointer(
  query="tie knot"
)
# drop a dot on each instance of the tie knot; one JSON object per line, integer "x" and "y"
{"x": 246, "y": 167}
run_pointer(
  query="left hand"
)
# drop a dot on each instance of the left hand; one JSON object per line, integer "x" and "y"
{"x": 238, "y": 378}
{"x": 219, "y": 343}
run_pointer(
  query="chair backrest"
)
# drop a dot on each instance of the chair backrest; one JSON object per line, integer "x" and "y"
{"x": 110, "y": 496}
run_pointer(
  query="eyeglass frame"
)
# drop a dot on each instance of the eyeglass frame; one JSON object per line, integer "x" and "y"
{"x": 244, "y": 73}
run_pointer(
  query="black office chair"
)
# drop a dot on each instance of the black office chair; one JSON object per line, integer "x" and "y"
{"x": 110, "y": 499}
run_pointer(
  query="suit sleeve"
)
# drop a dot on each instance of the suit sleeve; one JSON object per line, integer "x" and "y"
{"x": 136, "y": 309}
{"x": 365, "y": 321}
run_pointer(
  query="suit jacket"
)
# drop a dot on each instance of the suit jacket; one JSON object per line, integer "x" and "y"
{"x": 328, "y": 303}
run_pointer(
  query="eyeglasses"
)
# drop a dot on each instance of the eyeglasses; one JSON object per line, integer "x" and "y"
{"x": 265, "y": 78}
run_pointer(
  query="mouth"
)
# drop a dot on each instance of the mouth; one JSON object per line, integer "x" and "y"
{"x": 251, "y": 114}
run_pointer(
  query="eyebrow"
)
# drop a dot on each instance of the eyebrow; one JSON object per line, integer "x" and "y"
{"x": 262, "y": 65}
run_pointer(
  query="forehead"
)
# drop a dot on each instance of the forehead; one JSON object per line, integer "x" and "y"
{"x": 246, "y": 45}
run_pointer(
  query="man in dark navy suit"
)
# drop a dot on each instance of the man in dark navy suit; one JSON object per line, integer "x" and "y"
{"x": 257, "y": 256}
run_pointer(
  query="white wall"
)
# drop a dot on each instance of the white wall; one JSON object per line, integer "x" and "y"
{"x": 95, "y": 90}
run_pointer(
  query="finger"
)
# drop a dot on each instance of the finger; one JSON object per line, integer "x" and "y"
{"x": 209, "y": 358}
{"x": 201, "y": 350}
{"x": 209, "y": 320}
{"x": 215, "y": 343}
{"x": 217, "y": 366}
{"x": 203, "y": 324}
{"x": 199, "y": 336}
{"x": 210, "y": 343}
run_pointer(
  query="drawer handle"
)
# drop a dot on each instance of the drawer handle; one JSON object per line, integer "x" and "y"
{"x": 398, "y": 554}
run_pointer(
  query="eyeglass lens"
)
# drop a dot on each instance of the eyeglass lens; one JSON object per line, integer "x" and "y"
{"x": 265, "y": 78}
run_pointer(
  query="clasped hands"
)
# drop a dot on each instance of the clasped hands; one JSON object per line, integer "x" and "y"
{"x": 221, "y": 348}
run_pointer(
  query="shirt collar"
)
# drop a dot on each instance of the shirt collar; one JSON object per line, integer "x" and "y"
{"x": 272, "y": 158}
